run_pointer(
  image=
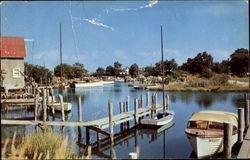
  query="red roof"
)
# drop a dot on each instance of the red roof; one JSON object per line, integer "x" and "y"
{"x": 12, "y": 47}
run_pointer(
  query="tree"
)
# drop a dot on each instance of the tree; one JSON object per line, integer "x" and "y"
{"x": 117, "y": 68}
{"x": 134, "y": 70}
{"x": 109, "y": 71}
{"x": 78, "y": 70}
{"x": 38, "y": 73}
{"x": 222, "y": 67}
{"x": 239, "y": 62}
{"x": 100, "y": 72}
{"x": 200, "y": 63}
{"x": 67, "y": 71}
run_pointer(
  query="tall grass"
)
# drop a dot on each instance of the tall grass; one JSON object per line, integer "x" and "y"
{"x": 38, "y": 145}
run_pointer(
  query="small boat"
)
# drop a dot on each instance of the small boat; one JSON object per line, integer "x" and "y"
{"x": 205, "y": 131}
{"x": 85, "y": 84}
{"x": 108, "y": 82}
{"x": 57, "y": 105}
{"x": 159, "y": 119}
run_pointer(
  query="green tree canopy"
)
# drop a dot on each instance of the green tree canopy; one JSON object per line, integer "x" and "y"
{"x": 117, "y": 68}
{"x": 100, "y": 72}
{"x": 69, "y": 71}
{"x": 109, "y": 71}
{"x": 134, "y": 70}
{"x": 38, "y": 73}
{"x": 239, "y": 62}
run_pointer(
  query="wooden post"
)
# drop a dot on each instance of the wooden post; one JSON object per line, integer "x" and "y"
{"x": 52, "y": 103}
{"x": 127, "y": 103}
{"x": 99, "y": 138}
{"x": 79, "y": 134}
{"x": 36, "y": 107}
{"x": 247, "y": 113}
{"x": 141, "y": 101}
{"x": 62, "y": 107}
{"x": 228, "y": 132}
{"x": 167, "y": 107}
{"x": 79, "y": 109}
{"x": 135, "y": 110}
{"x": 87, "y": 135}
{"x": 241, "y": 124}
{"x": 152, "y": 107}
{"x": 44, "y": 108}
{"x": 147, "y": 98}
{"x": 110, "y": 108}
{"x": 121, "y": 110}
{"x": 164, "y": 104}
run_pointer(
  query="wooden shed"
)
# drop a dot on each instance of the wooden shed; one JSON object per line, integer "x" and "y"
{"x": 12, "y": 54}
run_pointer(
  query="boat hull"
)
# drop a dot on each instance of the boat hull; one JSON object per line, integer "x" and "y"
{"x": 57, "y": 106}
{"x": 207, "y": 146}
{"x": 86, "y": 85}
{"x": 158, "y": 122}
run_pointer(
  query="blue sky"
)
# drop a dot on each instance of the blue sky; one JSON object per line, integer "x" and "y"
{"x": 98, "y": 33}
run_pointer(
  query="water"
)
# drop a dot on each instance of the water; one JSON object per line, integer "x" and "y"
{"x": 170, "y": 143}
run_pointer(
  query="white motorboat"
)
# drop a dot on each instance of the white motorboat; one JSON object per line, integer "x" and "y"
{"x": 57, "y": 105}
{"x": 205, "y": 131}
{"x": 159, "y": 119}
{"x": 84, "y": 84}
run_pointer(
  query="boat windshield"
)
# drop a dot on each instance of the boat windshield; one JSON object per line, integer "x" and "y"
{"x": 198, "y": 124}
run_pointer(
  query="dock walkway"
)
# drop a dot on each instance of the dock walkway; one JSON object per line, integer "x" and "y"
{"x": 100, "y": 123}
{"x": 245, "y": 148}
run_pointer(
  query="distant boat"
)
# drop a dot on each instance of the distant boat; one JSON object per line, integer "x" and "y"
{"x": 205, "y": 131}
{"x": 159, "y": 119}
{"x": 85, "y": 84}
{"x": 108, "y": 82}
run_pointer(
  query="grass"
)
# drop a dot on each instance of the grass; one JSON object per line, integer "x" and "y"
{"x": 40, "y": 145}
{"x": 197, "y": 83}
{"x": 241, "y": 79}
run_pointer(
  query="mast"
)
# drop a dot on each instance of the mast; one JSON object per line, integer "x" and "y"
{"x": 162, "y": 69}
{"x": 61, "y": 50}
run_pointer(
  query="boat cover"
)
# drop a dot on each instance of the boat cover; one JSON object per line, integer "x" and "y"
{"x": 215, "y": 116}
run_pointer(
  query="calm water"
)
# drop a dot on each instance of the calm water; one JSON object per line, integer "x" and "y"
{"x": 170, "y": 143}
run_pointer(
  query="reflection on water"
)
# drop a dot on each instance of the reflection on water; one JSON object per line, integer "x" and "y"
{"x": 171, "y": 143}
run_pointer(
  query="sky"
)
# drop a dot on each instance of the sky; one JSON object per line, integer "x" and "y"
{"x": 98, "y": 33}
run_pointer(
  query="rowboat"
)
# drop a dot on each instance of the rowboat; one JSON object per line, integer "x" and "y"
{"x": 57, "y": 105}
{"x": 205, "y": 131}
{"x": 159, "y": 119}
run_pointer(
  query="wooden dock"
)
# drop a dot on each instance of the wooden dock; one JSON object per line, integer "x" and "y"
{"x": 30, "y": 101}
{"x": 245, "y": 148}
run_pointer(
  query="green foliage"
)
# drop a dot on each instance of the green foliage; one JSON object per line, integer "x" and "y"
{"x": 207, "y": 73}
{"x": 38, "y": 73}
{"x": 222, "y": 67}
{"x": 100, "y": 72}
{"x": 110, "y": 71}
{"x": 221, "y": 79}
{"x": 239, "y": 62}
{"x": 117, "y": 68}
{"x": 134, "y": 70}
{"x": 69, "y": 71}
{"x": 200, "y": 63}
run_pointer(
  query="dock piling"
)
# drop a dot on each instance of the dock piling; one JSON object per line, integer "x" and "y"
{"x": 147, "y": 98}
{"x": 121, "y": 110}
{"x": 127, "y": 103}
{"x": 79, "y": 109}
{"x": 247, "y": 108}
{"x": 241, "y": 124}
{"x": 141, "y": 101}
{"x": 62, "y": 107}
{"x": 36, "y": 108}
{"x": 135, "y": 110}
{"x": 165, "y": 104}
{"x": 110, "y": 109}
{"x": 44, "y": 107}
{"x": 228, "y": 132}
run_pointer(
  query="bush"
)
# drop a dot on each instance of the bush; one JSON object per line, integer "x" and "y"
{"x": 207, "y": 73}
{"x": 221, "y": 79}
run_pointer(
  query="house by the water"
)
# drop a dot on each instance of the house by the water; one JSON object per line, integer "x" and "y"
{"x": 12, "y": 54}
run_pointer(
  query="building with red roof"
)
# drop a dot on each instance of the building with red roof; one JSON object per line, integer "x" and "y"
{"x": 12, "y": 54}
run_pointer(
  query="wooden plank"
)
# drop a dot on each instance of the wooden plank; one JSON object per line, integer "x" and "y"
{"x": 245, "y": 148}
{"x": 99, "y": 130}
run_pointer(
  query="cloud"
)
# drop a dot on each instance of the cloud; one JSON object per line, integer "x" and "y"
{"x": 151, "y": 4}
{"x": 95, "y": 22}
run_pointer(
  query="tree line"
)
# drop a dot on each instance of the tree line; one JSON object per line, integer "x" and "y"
{"x": 202, "y": 64}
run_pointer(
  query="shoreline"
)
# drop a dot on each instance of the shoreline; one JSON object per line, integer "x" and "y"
{"x": 201, "y": 89}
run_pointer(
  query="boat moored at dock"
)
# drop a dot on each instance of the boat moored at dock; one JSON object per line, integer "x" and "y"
{"x": 205, "y": 131}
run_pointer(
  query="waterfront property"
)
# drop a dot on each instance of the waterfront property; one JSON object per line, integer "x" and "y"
{"x": 12, "y": 56}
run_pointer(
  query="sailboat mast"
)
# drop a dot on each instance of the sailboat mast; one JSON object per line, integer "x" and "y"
{"x": 162, "y": 70}
{"x": 61, "y": 50}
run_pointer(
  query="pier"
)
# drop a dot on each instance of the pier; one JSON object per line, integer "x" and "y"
{"x": 98, "y": 125}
